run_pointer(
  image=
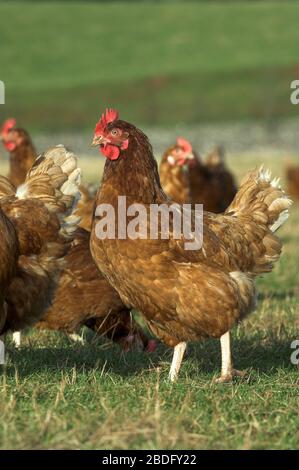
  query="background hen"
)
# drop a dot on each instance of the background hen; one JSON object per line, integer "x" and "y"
{"x": 222, "y": 177}
{"x": 292, "y": 176}
{"x": 186, "y": 179}
{"x": 22, "y": 153}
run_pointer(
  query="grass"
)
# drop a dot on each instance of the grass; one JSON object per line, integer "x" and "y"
{"x": 54, "y": 394}
{"x": 63, "y": 62}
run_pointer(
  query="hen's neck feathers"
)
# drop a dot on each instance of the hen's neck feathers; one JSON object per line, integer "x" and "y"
{"x": 24, "y": 150}
{"x": 134, "y": 174}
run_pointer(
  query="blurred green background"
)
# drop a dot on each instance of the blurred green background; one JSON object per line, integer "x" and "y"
{"x": 160, "y": 63}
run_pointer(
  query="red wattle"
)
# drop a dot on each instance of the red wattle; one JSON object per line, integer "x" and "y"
{"x": 181, "y": 161}
{"x": 10, "y": 146}
{"x": 110, "y": 151}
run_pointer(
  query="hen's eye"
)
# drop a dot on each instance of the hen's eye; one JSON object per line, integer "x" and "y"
{"x": 114, "y": 132}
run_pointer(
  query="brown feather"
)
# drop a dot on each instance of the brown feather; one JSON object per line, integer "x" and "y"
{"x": 83, "y": 297}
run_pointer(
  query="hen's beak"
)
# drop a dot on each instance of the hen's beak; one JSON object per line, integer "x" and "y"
{"x": 97, "y": 140}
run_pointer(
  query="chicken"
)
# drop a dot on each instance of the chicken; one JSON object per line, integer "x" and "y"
{"x": 292, "y": 174}
{"x": 175, "y": 168}
{"x": 215, "y": 163}
{"x": 37, "y": 227}
{"x": 22, "y": 152}
{"x": 85, "y": 207}
{"x": 183, "y": 294}
{"x": 84, "y": 298}
{"x": 186, "y": 179}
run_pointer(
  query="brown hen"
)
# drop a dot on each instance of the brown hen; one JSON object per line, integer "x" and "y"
{"x": 186, "y": 179}
{"x": 292, "y": 174}
{"x": 222, "y": 177}
{"x": 22, "y": 153}
{"x": 175, "y": 168}
{"x": 37, "y": 226}
{"x": 184, "y": 295}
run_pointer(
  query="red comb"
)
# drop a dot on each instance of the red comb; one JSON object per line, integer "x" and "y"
{"x": 8, "y": 125}
{"x": 184, "y": 144}
{"x": 109, "y": 116}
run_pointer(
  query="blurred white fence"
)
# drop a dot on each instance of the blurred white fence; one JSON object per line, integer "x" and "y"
{"x": 275, "y": 138}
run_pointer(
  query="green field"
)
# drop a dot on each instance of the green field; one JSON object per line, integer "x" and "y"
{"x": 54, "y": 394}
{"x": 161, "y": 64}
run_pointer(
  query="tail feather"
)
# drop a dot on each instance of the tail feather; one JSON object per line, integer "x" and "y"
{"x": 54, "y": 179}
{"x": 262, "y": 207}
{"x": 262, "y": 199}
{"x": 6, "y": 187}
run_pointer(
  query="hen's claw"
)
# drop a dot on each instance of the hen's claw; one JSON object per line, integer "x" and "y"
{"x": 226, "y": 378}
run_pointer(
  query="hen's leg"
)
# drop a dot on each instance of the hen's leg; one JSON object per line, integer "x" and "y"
{"x": 227, "y": 371}
{"x": 178, "y": 355}
{"x": 16, "y": 339}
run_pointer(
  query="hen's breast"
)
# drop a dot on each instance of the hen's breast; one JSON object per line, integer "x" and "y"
{"x": 175, "y": 183}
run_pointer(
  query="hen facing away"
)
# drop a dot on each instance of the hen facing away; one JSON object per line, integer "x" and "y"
{"x": 292, "y": 174}
{"x": 185, "y": 295}
{"x": 186, "y": 179}
{"x": 37, "y": 226}
{"x": 83, "y": 297}
{"x": 22, "y": 153}
{"x": 224, "y": 179}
